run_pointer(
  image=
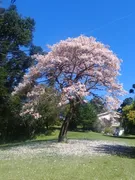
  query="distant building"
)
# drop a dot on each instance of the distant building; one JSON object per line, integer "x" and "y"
{"x": 110, "y": 119}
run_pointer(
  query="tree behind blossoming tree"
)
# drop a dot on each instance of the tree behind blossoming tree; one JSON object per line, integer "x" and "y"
{"x": 79, "y": 67}
{"x": 16, "y": 48}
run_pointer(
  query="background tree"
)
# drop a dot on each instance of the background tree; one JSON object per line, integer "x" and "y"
{"x": 48, "y": 108}
{"x": 79, "y": 67}
{"x": 47, "y": 105}
{"x": 16, "y": 48}
{"x": 128, "y": 113}
{"x": 98, "y": 105}
{"x": 87, "y": 116}
{"x": 133, "y": 89}
{"x": 16, "y": 35}
{"x": 127, "y": 109}
{"x": 127, "y": 101}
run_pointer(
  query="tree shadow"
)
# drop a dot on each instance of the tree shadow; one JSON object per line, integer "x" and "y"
{"x": 117, "y": 150}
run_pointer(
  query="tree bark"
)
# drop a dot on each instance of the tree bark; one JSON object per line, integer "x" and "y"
{"x": 63, "y": 131}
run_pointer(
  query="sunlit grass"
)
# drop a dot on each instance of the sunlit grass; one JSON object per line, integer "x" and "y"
{"x": 130, "y": 140}
{"x": 56, "y": 167}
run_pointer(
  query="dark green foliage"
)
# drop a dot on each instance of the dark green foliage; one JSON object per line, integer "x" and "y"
{"x": 16, "y": 35}
{"x": 48, "y": 108}
{"x": 16, "y": 48}
{"x": 75, "y": 117}
{"x": 127, "y": 124}
{"x": 3, "y": 89}
{"x": 36, "y": 50}
{"x": 87, "y": 116}
{"x": 127, "y": 101}
{"x": 133, "y": 89}
{"x": 98, "y": 105}
{"x": 84, "y": 116}
{"x": 129, "y": 127}
{"x": 10, "y": 121}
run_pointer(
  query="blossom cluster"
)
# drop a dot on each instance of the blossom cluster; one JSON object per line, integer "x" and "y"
{"x": 30, "y": 107}
{"x": 78, "y": 67}
{"x": 74, "y": 91}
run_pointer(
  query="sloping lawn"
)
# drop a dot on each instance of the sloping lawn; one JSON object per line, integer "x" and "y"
{"x": 32, "y": 160}
{"x": 130, "y": 140}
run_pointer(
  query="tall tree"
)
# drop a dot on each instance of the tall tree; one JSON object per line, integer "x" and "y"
{"x": 16, "y": 35}
{"x": 79, "y": 67}
{"x": 16, "y": 48}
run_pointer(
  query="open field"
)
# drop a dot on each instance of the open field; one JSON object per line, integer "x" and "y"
{"x": 87, "y": 156}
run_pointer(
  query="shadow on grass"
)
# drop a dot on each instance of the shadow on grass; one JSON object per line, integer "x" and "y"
{"x": 117, "y": 150}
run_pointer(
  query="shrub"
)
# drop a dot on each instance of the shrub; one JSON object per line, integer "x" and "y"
{"x": 108, "y": 130}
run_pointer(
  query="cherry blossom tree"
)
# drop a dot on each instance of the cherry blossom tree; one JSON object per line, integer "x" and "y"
{"x": 78, "y": 67}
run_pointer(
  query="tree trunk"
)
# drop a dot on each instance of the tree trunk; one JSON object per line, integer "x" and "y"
{"x": 63, "y": 131}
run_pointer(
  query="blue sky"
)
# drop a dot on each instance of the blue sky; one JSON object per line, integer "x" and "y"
{"x": 110, "y": 21}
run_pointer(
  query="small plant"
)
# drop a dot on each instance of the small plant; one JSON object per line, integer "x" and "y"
{"x": 108, "y": 131}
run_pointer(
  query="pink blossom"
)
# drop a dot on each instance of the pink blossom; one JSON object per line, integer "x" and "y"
{"x": 79, "y": 67}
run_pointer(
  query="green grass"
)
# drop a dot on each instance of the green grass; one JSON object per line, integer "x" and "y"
{"x": 42, "y": 167}
{"x": 56, "y": 168}
{"x": 130, "y": 140}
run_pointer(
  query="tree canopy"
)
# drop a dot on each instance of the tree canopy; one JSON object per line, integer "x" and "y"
{"x": 78, "y": 67}
{"x": 16, "y": 48}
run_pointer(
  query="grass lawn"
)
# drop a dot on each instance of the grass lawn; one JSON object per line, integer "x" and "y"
{"x": 56, "y": 167}
{"x": 130, "y": 140}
